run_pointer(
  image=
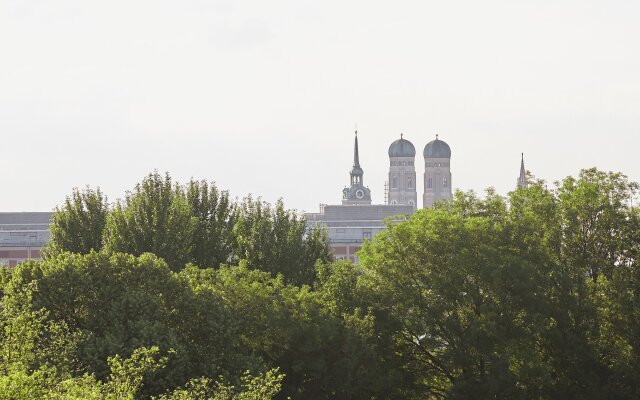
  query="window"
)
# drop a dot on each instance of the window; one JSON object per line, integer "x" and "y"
{"x": 444, "y": 182}
{"x": 366, "y": 235}
{"x": 394, "y": 182}
{"x": 430, "y": 183}
{"x": 409, "y": 183}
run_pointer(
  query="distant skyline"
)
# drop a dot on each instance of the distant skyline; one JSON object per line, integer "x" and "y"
{"x": 263, "y": 97}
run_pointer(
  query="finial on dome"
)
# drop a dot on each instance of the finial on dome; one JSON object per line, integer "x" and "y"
{"x": 401, "y": 135}
{"x": 436, "y": 136}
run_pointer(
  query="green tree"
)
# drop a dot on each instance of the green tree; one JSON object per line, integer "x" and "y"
{"x": 276, "y": 240}
{"x": 111, "y": 305}
{"x": 596, "y": 219}
{"x": 321, "y": 355}
{"x": 261, "y": 387}
{"x": 463, "y": 301}
{"x": 155, "y": 218}
{"x": 213, "y": 234}
{"x": 599, "y": 246}
{"x": 124, "y": 382}
{"x": 78, "y": 225}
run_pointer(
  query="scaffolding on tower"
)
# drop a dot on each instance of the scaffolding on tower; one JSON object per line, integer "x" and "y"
{"x": 386, "y": 192}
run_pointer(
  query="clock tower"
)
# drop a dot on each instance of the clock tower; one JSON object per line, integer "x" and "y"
{"x": 357, "y": 193}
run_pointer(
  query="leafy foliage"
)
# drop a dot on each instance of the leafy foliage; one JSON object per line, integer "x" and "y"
{"x": 276, "y": 240}
{"x": 196, "y": 223}
{"x": 78, "y": 225}
{"x": 535, "y": 295}
{"x": 213, "y": 237}
{"x": 156, "y": 218}
{"x": 114, "y": 304}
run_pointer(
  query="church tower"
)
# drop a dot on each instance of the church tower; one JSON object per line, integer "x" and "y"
{"x": 437, "y": 172}
{"x": 402, "y": 173}
{"x": 522, "y": 179}
{"x": 357, "y": 193}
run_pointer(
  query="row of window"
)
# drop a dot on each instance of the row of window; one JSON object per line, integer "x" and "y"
{"x": 410, "y": 202}
{"x": 394, "y": 182}
{"x": 410, "y": 163}
{"x": 400, "y": 163}
{"x": 445, "y": 183}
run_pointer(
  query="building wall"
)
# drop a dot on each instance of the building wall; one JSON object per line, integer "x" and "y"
{"x": 349, "y": 226}
{"x": 402, "y": 181}
{"x": 22, "y": 236}
{"x": 437, "y": 181}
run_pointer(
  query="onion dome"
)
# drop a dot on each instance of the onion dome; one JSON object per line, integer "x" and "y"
{"x": 437, "y": 149}
{"x": 402, "y": 148}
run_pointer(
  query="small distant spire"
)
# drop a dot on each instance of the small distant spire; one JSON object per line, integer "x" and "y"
{"x": 436, "y": 136}
{"x": 401, "y": 135}
{"x": 522, "y": 179}
{"x": 356, "y": 155}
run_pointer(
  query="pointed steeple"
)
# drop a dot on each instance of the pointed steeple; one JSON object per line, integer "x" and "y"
{"x": 356, "y": 171}
{"x": 356, "y": 156}
{"x": 356, "y": 193}
{"x": 522, "y": 179}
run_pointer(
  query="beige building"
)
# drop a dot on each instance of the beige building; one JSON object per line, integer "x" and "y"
{"x": 402, "y": 182}
{"x": 437, "y": 173}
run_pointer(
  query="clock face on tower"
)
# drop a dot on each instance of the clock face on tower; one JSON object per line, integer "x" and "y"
{"x": 359, "y": 193}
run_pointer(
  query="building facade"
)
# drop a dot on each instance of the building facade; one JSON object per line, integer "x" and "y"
{"x": 402, "y": 182}
{"x": 356, "y": 220}
{"x": 22, "y": 236}
{"x": 349, "y": 226}
{"x": 437, "y": 173}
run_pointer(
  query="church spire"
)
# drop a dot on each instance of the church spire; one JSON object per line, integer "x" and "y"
{"x": 522, "y": 179}
{"x": 356, "y": 171}
{"x": 357, "y": 193}
{"x": 356, "y": 155}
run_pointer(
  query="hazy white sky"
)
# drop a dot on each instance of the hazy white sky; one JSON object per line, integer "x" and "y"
{"x": 262, "y": 96}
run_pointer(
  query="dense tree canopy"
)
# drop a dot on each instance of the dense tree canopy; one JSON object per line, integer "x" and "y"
{"x": 157, "y": 218}
{"x": 78, "y": 225}
{"x": 277, "y": 240}
{"x": 196, "y": 223}
{"x": 535, "y": 295}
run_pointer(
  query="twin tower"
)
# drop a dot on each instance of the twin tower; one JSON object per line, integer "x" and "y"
{"x": 402, "y": 175}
